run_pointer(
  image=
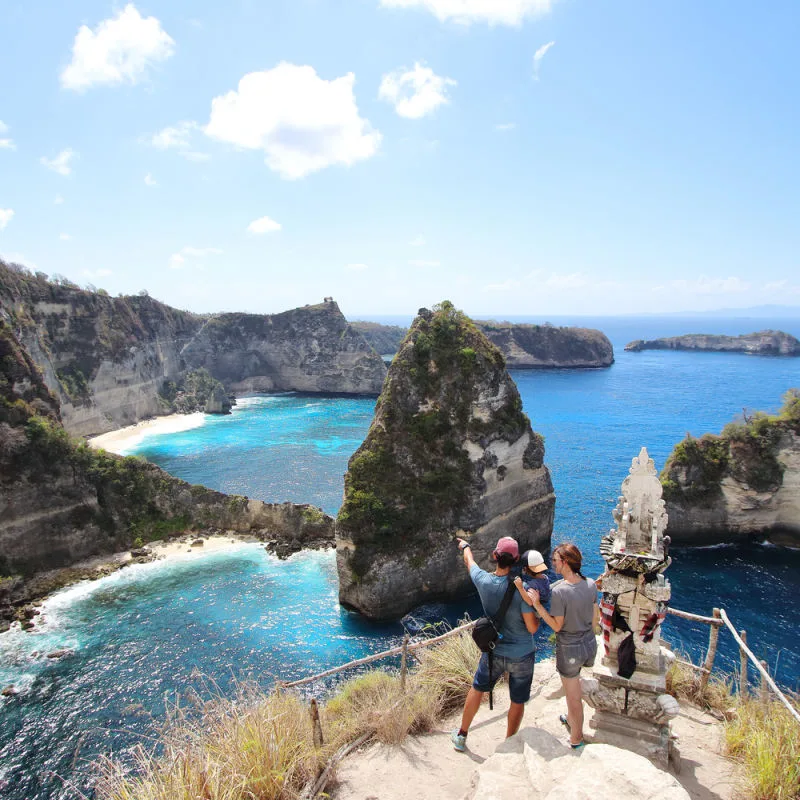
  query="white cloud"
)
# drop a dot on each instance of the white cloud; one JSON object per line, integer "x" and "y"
{"x": 60, "y": 163}
{"x": 505, "y": 126}
{"x": 99, "y": 273}
{"x": 417, "y": 241}
{"x": 538, "y": 56}
{"x": 119, "y": 50}
{"x": 505, "y": 286}
{"x": 194, "y": 155}
{"x": 178, "y": 260}
{"x": 419, "y": 262}
{"x": 149, "y": 180}
{"x": 415, "y": 93}
{"x": 302, "y": 122}
{"x": 494, "y": 12}
{"x": 705, "y": 285}
{"x": 356, "y": 267}
{"x": 6, "y": 144}
{"x": 65, "y": 237}
{"x": 5, "y": 217}
{"x": 58, "y": 200}
{"x": 174, "y": 136}
{"x": 264, "y": 225}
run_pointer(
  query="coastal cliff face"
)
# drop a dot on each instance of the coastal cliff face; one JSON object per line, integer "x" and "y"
{"x": 743, "y": 484}
{"x": 61, "y": 502}
{"x": 449, "y": 450}
{"x": 523, "y": 346}
{"x": 546, "y": 346}
{"x": 108, "y": 360}
{"x": 310, "y": 349}
{"x": 763, "y": 343}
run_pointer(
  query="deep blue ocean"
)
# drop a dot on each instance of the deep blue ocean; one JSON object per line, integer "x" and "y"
{"x": 147, "y": 634}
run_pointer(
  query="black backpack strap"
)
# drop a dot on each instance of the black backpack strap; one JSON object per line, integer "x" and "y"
{"x": 498, "y": 621}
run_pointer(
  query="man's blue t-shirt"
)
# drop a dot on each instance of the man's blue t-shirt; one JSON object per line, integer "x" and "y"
{"x": 517, "y": 641}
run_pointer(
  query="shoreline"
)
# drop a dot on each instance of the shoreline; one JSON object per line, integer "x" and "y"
{"x": 122, "y": 439}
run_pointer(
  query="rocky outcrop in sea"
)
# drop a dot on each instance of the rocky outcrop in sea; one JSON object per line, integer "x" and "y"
{"x": 741, "y": 484}
{"x": 762, "y": 343}
{"x": 449, "y": 449}
{"x": 108, "y": 359}
{"x": 524, "y": 346}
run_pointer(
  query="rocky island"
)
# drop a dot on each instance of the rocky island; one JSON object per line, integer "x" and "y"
{"x": 523, "y": 346}
{"x": 109, "y": 360}
{"x": 762, "y": 343}
{"x": 449, "y": 449}
{"x": 742, "y": 484}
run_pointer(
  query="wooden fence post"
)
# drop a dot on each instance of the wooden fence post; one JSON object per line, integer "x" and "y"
{"x": 404, "y": 663}
{"x": 708, "y": 665}
{"x": 743, "y": 666}
{"x": 316, "y": 725}
{"x": 764, "y": 685}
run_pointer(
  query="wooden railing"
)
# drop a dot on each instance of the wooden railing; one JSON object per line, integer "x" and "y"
{"x": 714, "y": 622}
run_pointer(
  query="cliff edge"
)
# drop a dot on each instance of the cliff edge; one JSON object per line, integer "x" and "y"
{"x": 449, "y": 449}
{"x": 741, "y": 484}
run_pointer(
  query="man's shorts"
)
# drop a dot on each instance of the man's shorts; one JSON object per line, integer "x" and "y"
{"x": 520, "y": 675}
{"x": 571, "y": 657}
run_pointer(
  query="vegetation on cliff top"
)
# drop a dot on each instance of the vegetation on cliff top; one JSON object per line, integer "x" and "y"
{"x": 745, "y": 450}
{"x": 412, "y": 471}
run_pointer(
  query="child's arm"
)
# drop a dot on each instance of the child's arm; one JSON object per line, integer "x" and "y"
{"x": 521, "y": 589}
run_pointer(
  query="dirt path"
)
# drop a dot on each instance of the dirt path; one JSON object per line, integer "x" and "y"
{"x": 427, "y": 767}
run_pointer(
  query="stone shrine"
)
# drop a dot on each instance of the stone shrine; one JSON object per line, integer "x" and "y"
{"x": 628, "y": 688}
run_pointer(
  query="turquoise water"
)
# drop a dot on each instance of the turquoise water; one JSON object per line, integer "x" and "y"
{"x": 151, "y": 631}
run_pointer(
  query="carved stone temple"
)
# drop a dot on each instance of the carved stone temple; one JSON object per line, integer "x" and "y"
{"x": 628, "y": 687}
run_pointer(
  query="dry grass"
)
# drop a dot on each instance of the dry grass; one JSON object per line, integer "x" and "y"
{"x": 765, "y": 738}
{"x": 259, "y": 746}
{"x": 683, "y": 683}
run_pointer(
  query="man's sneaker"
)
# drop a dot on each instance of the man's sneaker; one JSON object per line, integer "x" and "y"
{"x": 459, "y": 742}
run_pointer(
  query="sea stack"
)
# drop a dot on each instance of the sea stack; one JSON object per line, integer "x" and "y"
{"x": 449, "y": 451}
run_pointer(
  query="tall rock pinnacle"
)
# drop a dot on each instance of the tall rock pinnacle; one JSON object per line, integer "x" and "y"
{"x": 449, "y": 450}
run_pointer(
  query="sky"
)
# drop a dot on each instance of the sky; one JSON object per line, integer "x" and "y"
{"x": 517, "y": 157}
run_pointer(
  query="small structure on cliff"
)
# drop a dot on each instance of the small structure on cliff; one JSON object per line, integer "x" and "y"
{"x": 449, "y": 450}
{"x": 628, "y": 689}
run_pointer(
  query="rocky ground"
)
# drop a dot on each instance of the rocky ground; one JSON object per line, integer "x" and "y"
{"x": 427, "y": 767}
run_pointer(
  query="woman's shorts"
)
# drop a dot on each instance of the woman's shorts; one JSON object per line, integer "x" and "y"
{"x": 520, "y": 675}
{"x": 571, "y": 657}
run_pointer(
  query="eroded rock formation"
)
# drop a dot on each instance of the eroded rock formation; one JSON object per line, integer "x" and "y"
{"x": 523, "y": 346}
{"x": 449, "y": 449}
{"x": 108, "y": 358}
{"x": 742, "y": 484}
{"x": 763, "y": 343}
{"x": 547, "y": 346}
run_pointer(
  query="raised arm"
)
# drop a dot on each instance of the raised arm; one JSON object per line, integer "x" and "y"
{"x": 466, "y": 550}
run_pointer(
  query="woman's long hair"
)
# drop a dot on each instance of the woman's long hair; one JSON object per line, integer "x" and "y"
{"x": 571, "y": 556}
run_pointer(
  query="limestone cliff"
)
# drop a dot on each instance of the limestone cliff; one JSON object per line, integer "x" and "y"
{"x": 547, "y": 346}
{"x": 449, "y": 449}
{"x": 107, "y": 359}
{"x": 763, "y": 343}
{"x": 61, "y": 502}
{"x": 742, "y": 484}
{"x": 310, "y": 349}
{"x": 523, "y": 346}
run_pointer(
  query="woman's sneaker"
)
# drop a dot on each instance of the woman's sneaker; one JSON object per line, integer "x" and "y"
{"x": 459, "y": 741}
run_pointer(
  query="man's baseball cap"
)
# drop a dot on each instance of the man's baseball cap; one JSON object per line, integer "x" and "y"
{"x": 533, "y": 561}
{"x": 507, "y": 545}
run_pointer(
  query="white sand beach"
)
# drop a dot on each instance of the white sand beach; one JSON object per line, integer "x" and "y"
{"x": 123, "y": 439}
{"x": 173, "y": 549}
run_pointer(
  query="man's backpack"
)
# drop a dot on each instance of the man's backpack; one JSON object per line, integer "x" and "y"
{"x": 486, "y": 633}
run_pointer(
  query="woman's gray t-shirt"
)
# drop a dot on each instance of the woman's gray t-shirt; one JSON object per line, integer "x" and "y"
{"x": 575, "y": 602}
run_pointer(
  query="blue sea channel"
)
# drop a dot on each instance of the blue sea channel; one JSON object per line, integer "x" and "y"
{"x": 150, "y": 634}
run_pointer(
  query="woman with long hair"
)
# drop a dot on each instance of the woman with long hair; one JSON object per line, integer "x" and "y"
{"x": 573, "y": 607}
